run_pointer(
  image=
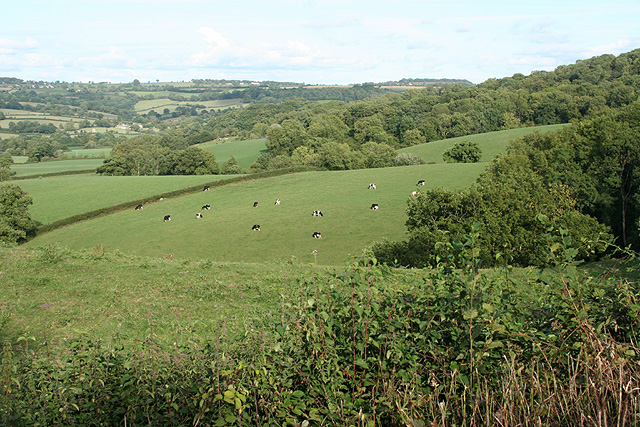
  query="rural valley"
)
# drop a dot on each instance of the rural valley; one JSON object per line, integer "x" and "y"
{"x": 420, "y": 252}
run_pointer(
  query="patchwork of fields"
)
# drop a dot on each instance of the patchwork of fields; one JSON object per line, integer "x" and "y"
{"x": 225, "y": 232}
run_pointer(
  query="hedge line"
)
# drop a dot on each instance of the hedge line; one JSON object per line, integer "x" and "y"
{"x": 50, "y": 174}
{"x": 175, "y": 193}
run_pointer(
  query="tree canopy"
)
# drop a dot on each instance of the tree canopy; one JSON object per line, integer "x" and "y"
{"x": 15, "y": 220}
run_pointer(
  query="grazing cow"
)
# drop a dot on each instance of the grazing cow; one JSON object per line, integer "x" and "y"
{"x": 421, "y": 182}
{"x": 317, "y": 213}
{"x": 139, "y": 207}
{"x": 374, "y": 206}
{"x": 206, "y": 207}
{"x": 256, "y": 227}
{"x": 414, "y": 193}
{"x": 255, "y": 204}
{"x": 372, "y": 186}
{"x": 317, "y": 235}
{"x": 277, "y": 201}
{"x": 206, "y": 188}
{"x": 167, "y": 218}
{"x": 198, "y": 215}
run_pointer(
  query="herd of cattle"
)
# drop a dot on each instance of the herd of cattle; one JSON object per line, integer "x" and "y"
{"x": 256, "y": 227}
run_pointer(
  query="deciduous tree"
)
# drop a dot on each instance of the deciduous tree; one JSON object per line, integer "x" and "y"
{"x": 15, "y": 220}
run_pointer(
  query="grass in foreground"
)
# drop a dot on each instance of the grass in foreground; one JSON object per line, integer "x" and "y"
{"x": 53, "y": 294}
{"x": 356, "y": 346}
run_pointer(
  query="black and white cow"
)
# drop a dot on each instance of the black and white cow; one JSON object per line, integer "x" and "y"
{"x": 255, "y": 204}
{"x": 277, "y": 202}
{"x": 206, "y": 188}
{"x": 372, "y": 186}
{"x": 421, "y": 182}
{"x": 374, "y": 206}
{"x": 167, "y": 218}
{"x": 198, "y": 215}
{"x": 139, "y": 207}
{"x": 206, "y": 207}
{"x": 256, "y": 227}
{"x": 317, "y": 213}
{"x": 317, "y": 235}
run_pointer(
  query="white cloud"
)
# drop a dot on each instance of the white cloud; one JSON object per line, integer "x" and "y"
{"x": 10, "y": 45}
{"x": 615, "y": 47}
{"x": 115, "y": 55}
{"x": 38, "y": 60}
{"x": 213, "y": 37}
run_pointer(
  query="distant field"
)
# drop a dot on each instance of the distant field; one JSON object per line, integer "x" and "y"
{"x": 246, "y": 152}
{"x": 224, "y": 233}
{"x": 158, "y": 105}
{"x": 89, "y": 152}
{"x": 20, "y": 159}
{"x": 28, "y": 169}
{"x": 491, "y": 144}
{"x": 60, "y": 197}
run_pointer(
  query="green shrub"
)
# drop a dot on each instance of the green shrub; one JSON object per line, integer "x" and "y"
{"x": 408, "y": 159}
{"x": 463, "y": 152}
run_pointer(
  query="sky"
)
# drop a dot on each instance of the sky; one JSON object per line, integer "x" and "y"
{"x": 306, "y": 41}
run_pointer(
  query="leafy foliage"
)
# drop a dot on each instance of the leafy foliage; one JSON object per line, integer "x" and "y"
{"x": 512, "y": 207}
{"x": 15, "y": 220}
{"x": 463, "y": 152}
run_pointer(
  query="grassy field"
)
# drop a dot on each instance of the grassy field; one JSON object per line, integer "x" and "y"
{"x": 491, "y": 144}
{"x": 159, "y": 104}
{"x": 20, "y": 159}
{"x": 34, "y": 169}
{"x": 90, "y": 152}
{"x": 224, "y": 233}
{"x": 21, "y": 115}
{"x": 347, "y": 227}
{"x": 59, "y": 197}
{"x": 52, "y": 294}
{"x": 245, "y": 152}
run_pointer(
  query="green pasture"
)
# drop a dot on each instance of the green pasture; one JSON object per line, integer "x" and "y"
{"x": 55, "y": 166}
{"x": 4, "y": 124}
{"x": 224, "y": 233}
{"x": 89, "y": 152}
{"x": 246, "y": 152}
{"x": 20, "y": 159}
{"x": 59, "y": 197}
{"x": 159, "y": 104}
{"x": 491, "y": 144}
{"x": 53, "y": 294}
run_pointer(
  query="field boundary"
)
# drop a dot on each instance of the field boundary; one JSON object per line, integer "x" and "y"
{"x": 38, "y": 231}
{"x": 50, "y": 174}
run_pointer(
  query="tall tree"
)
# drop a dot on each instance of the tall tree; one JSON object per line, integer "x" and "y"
{"x": 15, "y": 220}
{"x": 614, "y": 161}
{"x": 5, "y": 166}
